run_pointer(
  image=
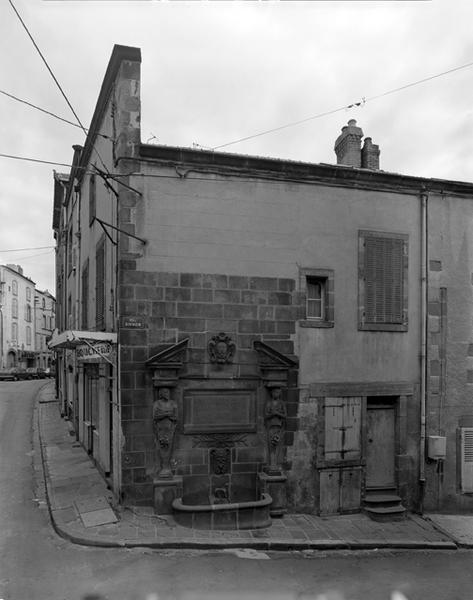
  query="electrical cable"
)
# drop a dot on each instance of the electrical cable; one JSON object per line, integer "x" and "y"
{"x": 27, "y": 249}
{"x": 362, "y": 102}
{"x": 47, "y": 112}
{"x": 55, "y": 79}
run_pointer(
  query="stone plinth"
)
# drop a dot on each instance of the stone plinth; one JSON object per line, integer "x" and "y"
{"x": 275, "y": 486}
{"x": 165, "y": 490}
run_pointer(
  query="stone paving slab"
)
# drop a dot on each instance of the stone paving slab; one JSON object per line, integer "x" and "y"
{"x": 457, "y": 527}
{"x": 73, "y": 487}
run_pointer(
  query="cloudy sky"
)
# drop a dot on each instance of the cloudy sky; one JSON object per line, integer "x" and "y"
{"x": 215, "y": 71}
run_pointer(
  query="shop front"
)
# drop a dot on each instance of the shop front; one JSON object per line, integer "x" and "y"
{"x": 91, "y": 390}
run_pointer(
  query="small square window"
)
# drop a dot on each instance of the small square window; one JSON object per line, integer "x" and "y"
{"x": 318, "y": 287}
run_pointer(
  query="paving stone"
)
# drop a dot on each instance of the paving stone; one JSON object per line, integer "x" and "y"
{"x": 98, "y": 517}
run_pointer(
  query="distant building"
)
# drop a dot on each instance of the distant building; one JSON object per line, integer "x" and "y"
{"x": 45, "y": 321}
{"x": 18, "y": 324}
{"x": 26, "y": 320}
{"x": 230, "y": 323}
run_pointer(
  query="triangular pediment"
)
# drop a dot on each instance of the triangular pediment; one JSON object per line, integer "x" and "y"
{"x": 169, "y": 356}
{"x": 269, "y": 357}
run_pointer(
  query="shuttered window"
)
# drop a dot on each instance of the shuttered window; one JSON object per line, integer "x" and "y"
{"x": 342, "y": 428}
{"x": 85, "y": 297}
{"x": 383, "y": 281}
{"x": 100, "y": 286}
{"x": 467, "y": 459}
{"x": 92, "y": 199}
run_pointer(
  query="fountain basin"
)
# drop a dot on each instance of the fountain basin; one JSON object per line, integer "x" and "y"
{"x": 252, "y": 514}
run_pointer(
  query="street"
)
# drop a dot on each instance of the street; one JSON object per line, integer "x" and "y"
{"x": 36, "y": 564}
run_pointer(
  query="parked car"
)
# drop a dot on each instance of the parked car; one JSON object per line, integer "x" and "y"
{"x": 32, "y": 373}
{"x": 41, "y": 373}
{"x": 8, "y": 375}
{"x": 20, "y": 373}
{"x": 50, "y": 372}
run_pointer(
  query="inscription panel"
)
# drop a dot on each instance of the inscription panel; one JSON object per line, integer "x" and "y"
{"x": 216, "y": 411}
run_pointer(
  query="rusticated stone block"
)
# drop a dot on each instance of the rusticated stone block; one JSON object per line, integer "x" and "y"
{"x": 226, "y": 296}
{"x": 263, "y": 283}
{"x": 177, "y": 293}
{"x": 191, "y": 279}
{"x": 148, "y": 292}
{"x": 134, "y": 337}
{"x": 286, "y": 285}
{"x": 202, "y": 295}
{"x": 214, "y": 281}
{"x": 199, "y": 309}
{"x": 163, "y": 309}
{"x": 254, "y": 297}
{"x": 238, "y": 283}
{"x": 168, "y": 279}
{"x": 239, "y": 311}
{"x": 280, "y": 298}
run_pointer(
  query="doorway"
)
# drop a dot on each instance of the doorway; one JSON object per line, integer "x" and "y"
{"x": 381, "y": 443}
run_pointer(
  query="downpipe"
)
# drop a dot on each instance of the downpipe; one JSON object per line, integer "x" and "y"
{"x": 423, "y": 349}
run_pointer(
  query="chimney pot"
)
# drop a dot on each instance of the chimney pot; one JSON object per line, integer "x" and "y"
{"x": 370, "y": 155}
{"x": 348, "y": 145}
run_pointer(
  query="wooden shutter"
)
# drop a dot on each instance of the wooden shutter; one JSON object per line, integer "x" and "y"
{"x": 100, "y": 286}
{"x": 92, "y": 198}
{"x": 383, "y": 278}
{"x": 85, "y": 297}
{"x": 467, "y": 459}
{"x": 342, "y": 428}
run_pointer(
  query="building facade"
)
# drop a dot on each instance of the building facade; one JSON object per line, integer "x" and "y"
{"x": 18, "y": 325}
{"x": 44, "y": 310}
{"x": 26, "y": 320}
{"x": 229, "y": 325}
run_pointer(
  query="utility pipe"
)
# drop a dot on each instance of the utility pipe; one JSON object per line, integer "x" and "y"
{"x": 423, "y": 346}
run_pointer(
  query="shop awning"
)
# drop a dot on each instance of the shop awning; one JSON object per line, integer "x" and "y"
{"x": 72, "y": 339}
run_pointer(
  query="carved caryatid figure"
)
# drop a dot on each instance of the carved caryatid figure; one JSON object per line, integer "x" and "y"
{"x": 164, "y": 427}
{"x": 275, "y": 420}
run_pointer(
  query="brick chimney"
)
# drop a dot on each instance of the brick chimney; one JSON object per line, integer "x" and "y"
{"x": 348, "y": 145}
{"x": 370, "y": 155}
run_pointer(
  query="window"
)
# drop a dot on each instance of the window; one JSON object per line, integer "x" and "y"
{"x": 28, "y": 294}
{"x": 14, "y": 332}
{"x": 14, "y": 287}
{"x": 70, "y": 250}
{"x": 92, "y": 198}
{"x": 85, "y": 297}
{"x": 318, "y": 285}
{"x": 28, "y": 335}
{"x": 316, "y": 297}
{"x": 382, "y": 297}
{"x": 44, "y": 303}
{"x": 100, "y": 285}
{"x": 466, "y": 459}
{"x": 28, "y": 313}
{"x": 45, "y": 323}
{"x": 14, "y": 308}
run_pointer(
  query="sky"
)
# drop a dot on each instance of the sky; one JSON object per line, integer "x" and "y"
{"x": 217, "y": 71}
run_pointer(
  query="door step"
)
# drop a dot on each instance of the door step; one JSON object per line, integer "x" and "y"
{"x": 383, "y": 505}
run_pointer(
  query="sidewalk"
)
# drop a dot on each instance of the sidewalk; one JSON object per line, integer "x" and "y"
{"x": 82, "y": 510}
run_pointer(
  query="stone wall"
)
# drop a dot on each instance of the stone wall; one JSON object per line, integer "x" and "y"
{"x": 161, "y": 309}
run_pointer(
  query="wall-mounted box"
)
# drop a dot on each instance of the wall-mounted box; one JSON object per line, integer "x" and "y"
{"x": 436, "y": 447}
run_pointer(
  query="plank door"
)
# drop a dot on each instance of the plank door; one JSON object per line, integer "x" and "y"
{"x": 380, "y": 446}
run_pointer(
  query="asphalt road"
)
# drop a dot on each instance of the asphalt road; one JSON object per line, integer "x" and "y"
{"x": 36, "y": 564}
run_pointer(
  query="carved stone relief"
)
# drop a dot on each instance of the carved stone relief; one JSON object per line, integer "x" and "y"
{"x": 221, "y": 349}
{"x": 164, "y": 427}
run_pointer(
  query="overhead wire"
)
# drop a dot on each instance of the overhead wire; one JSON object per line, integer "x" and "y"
{"x": 47, "y": 112}
{"x": 27, "y": 249}
{"x": 361, "y": 102}
{"x": 56, "y": 81}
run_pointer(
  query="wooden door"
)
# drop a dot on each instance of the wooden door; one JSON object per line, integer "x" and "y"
{"x": 380, "y": 446}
